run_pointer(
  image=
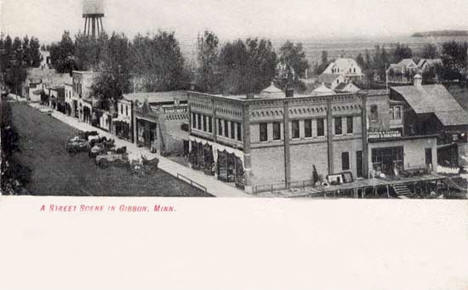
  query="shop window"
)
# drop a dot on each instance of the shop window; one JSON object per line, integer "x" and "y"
{"x": 233, "y": 132}
{"x": 220, "y": 127}
{"x": 226, "y": 126}
{"x": 320, "y": 127}
{"x": 276, "y": 131}
{"x": 210, "y": 124}
{"x": 308, "y": 128}
{"x": 345, "y": 161}
{"x": 295, "y": 129}
{"x": 374, "y": 114}
{"x": 349, "y": 125}
{"x": 263, "y": 131}
{"x": 338, "y": 126}
{"x": 194, "y": 120}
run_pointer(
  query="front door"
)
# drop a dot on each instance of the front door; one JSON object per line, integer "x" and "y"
{"x": 428, "y": 156}
{"x": 359, "y": 163}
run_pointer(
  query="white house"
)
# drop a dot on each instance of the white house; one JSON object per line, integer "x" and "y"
{"x": 342, "y": 70}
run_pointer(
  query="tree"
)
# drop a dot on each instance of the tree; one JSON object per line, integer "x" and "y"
{"x": 34, "y": 52}
{"x": 115, "y": 70}
{"x": 360, "y": 61}
{"x": 27, "y": 51}
{"x": 89, "y": 51}
{"x": 207, "y": 78}
{"x": 400, "y": 52}
{"x": 246, "y": 67}
{"x": 454, "y": 57}
{"x": 323, "y": 62}
{"x": 293, "y": 57}
{"x": 62, "y": 54}
{"x": 158, "y": 62}
{"x": 429, "y": 51}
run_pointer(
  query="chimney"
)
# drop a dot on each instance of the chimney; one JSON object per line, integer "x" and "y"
{"x": 289, "y": 92}
{"x": 417, "y": 80}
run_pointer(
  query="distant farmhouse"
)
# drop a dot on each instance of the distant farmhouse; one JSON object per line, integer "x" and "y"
{"x": 404, "y": 71}
{"x": 342, "y": 70}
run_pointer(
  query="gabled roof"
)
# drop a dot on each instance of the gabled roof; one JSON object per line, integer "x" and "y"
{"x": 344, "y": 64}
{"x": 408, "y": 62}
{"x": 322, "y": 90}
{"x": 434, "y": 99}
{"x": 272, "y": 90}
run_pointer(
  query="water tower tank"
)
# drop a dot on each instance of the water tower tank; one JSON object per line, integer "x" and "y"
{"x": 93, "y": 7}
{"x": 93, "y": 12}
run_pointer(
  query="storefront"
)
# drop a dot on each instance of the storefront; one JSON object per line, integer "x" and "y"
{"x": 122, "y": 129}
{"x": 224, "y": 162}
{"x": 146, "y": 133}
{"x": 388, "y": 159}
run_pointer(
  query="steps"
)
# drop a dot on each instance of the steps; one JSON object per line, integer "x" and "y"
{"x": 402, "y": 190}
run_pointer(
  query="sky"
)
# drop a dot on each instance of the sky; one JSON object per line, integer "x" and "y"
{"x": 275, "y": 19}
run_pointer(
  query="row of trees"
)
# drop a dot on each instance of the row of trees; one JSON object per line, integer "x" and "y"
{"x": 155, "y": 63}
{"x": 16, "y": 55}
{"x": 247, "y": 66}
{"x": 147, "y": 63}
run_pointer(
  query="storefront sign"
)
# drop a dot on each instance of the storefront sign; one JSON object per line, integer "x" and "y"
{"x": 383, "y": 134}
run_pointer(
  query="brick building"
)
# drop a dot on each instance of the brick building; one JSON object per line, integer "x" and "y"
{"x": 275, "y": 140}
{"x": 270, "y": 140}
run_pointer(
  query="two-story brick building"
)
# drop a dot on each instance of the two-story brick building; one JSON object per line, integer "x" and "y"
{"x": 277, "y": 140}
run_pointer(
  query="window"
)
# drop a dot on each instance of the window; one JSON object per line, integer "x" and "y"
{"x": 210, "y": 124}
{"x": 349, "y": 125}
{"x": 226, "y": 133}
{"x": 295, "y": 129}
{"x": 276, "y": 131}
{"x": 204, "y": 123}
{"x": 233, "y": 133}
{"x": 220, "y": 127}
{"x": 239, "y": 132}
{"x": 199, "y": 124}
{"x": 338, "y": 126}
{"x": 263, "y": 132}
{"x": 126, "y": 110}
{"x": 374, "y": 115}
{"x": 308, "y": 128}
{"x": 345, "y": 161}
{"x": 397, "y": 113}
{"x": 320, "y": 127}
{"x": 194, "y": 120}
{"x": 121, "y": 109}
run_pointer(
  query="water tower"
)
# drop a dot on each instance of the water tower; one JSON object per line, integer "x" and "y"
{"x": 93, "y": 12}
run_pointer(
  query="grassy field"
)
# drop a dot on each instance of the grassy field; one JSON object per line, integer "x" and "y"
{"x": 55, "y": 172}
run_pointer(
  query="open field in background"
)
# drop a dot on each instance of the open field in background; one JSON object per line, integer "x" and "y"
{"x": 337, "y": 47}
{"x": 55, "y": 172}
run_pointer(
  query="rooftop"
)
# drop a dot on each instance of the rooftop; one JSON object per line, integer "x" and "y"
{"x": 157, "y": 97}
{"x": 434, "y": 99}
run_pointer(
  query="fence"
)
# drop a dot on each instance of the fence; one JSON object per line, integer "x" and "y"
{"x": 280, "y": 186}
{"x": 191, "y": 182}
